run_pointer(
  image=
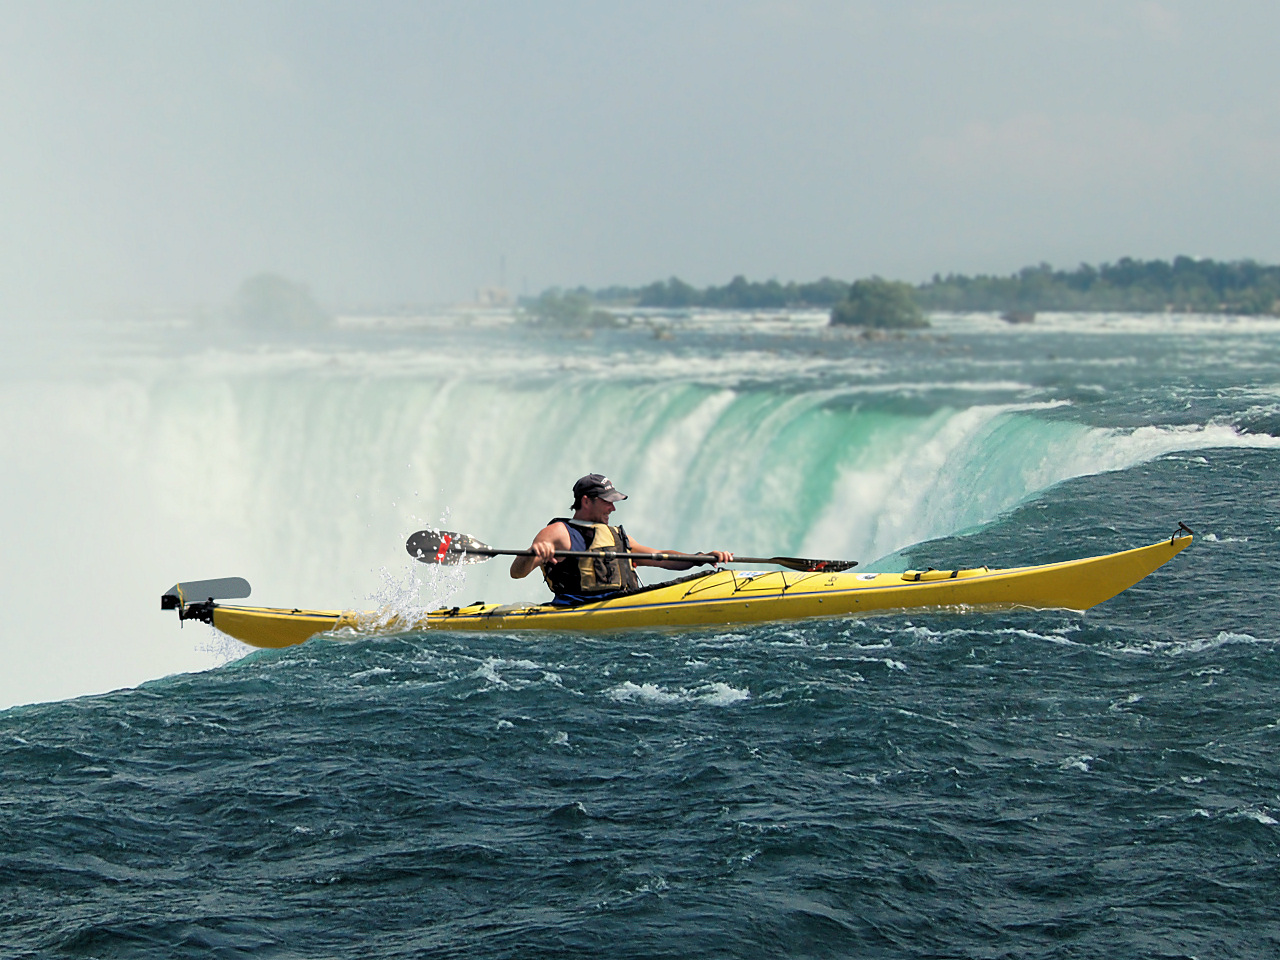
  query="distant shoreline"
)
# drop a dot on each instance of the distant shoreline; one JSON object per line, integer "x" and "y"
{"x": 1182, "y": 285}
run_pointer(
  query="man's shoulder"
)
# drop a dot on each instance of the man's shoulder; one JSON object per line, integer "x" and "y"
{"x": 556, "y": 528}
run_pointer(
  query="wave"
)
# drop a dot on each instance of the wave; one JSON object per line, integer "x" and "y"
{"x": 716, "y": 694}
{"x": 1196, "y": 645}
{"x": 1104, "y": 324}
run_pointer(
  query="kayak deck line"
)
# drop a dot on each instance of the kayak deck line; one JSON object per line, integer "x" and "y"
{"x": 720, "y": 598}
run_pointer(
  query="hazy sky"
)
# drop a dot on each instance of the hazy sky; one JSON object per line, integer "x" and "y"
{"x": 161, "y": 152}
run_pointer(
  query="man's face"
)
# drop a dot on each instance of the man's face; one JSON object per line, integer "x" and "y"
{"x": 596, "y": 510}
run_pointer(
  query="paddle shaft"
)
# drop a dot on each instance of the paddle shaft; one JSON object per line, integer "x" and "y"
{"x": 697, "y": 559}
{"x": 440, "y": 546}
{"x": 694, "y": 558}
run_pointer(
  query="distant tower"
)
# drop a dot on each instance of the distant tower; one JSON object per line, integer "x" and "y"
{"x": 497, "y": 296}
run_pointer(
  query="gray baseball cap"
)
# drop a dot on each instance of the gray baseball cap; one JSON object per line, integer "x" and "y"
{"x": 599, "y": 486}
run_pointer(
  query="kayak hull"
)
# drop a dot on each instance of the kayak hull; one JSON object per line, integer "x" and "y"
{"x": 727, "y": 597}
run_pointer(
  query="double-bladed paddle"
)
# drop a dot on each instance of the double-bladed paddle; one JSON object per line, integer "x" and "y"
{"x": 441, "y": 546}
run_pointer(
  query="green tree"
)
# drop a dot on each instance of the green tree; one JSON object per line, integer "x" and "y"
{"x": 270, "y": 302}
{"x": 886, "y": 304}
{"x": 674, "y": 293}
{"x": 569, "y": 308}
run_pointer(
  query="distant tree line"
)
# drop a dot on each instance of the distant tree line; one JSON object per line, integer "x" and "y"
{"x": 738, "y": 294}
{"x": 1185, "y": 284}
{"x": 1139, "y": 286}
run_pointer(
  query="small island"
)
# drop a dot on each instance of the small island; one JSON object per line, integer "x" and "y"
{"x": 879, "y": 304}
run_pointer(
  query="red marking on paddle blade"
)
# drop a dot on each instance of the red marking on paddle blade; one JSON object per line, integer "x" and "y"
{"x": 444, "y": 548}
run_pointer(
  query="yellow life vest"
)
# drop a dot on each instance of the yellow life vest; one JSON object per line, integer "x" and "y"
{"x": 583, "y": 578}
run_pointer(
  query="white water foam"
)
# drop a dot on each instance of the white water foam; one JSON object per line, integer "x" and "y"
{"x": 1108, "y": 324}
{"x": 504, "y": 673}
{"x": 716, "y": 694}
{"x": 1178, "y": 648}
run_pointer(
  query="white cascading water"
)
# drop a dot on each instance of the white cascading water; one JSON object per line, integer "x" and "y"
{"x": 304, "y": 473}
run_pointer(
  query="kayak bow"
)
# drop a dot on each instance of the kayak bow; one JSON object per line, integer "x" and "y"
{"x": 712, "y": 599}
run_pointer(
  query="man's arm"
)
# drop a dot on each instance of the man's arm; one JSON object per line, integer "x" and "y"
{"x": 552, "y": 537}
{"x": 722, "y": 556}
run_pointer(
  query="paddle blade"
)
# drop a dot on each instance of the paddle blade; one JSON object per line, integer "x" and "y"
{"x": 446, "y": 547}
{"x": 196, "y": 591}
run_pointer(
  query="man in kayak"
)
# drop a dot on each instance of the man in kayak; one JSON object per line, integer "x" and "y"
{"x": 579, "y": 580}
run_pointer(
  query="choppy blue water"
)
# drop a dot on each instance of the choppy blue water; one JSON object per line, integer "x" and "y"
{"x": 1028, "y": 784}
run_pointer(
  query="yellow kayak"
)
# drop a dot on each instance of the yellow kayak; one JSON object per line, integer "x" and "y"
{"x": 716, "y": 599}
